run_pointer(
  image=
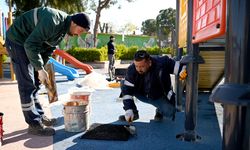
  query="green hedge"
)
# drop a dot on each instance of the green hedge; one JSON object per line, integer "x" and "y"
{"x": 122, "y": 52}
{"x": 87, "y": 55}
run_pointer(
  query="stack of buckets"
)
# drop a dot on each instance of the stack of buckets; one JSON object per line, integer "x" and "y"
{"x": 1, "y": 129}
{"x": 76, "y": 111}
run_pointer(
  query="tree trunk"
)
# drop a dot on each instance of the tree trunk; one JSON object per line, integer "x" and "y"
{"x": 97, "y": 20}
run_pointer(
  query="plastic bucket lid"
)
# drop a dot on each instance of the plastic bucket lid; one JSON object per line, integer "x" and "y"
{"x": 80, "y": 91}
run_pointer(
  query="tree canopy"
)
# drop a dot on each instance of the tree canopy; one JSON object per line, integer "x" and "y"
{"x": 69, "y": 6}
{"x": 149, "y": 27}
{"x": 163, "y": 26}
{"x": 165, "y": 21}
{"x": 97, "y": 6}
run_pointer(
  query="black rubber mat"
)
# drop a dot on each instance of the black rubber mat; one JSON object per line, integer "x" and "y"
{"x": 107, "y": 132}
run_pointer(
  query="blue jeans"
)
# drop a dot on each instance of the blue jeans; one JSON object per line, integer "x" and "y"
{"x": 28, "y": 83}
{"x": 161, "y": 104}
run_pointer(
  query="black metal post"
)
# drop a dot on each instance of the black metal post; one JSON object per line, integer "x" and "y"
{"x": 179, "y": 84}
{"x": 179, "y": 53}
{"x": 192, "y": 60}
{"x": 235, "y": 93}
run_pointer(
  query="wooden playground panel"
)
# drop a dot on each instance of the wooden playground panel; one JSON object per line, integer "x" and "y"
{"x": 211, "y": 72}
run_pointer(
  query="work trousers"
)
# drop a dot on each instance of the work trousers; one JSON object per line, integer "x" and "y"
{"x": 28, "y": 83}
{"x": 111, "y": 58}
{"x": 162, "y": 105}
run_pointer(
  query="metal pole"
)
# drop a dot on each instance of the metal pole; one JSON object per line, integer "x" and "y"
{"x": 237, "y": 71}
{"x": 179, "y": 53}
{"x": 192, "y": 60}
{"x": 179, "y": 84}
{"x": 191, "y": 94}
{"x": 235, "y": 93}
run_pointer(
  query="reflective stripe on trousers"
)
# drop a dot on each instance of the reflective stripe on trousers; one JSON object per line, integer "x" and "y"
{"x": 28, "y": 83}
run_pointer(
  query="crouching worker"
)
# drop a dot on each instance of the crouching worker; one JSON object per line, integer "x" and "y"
{"x": 148, "y": 79}
{"x": 30, "y": 41}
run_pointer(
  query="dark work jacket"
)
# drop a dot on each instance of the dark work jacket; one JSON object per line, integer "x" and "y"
{"x": 154, "y": 84}
{"x": 41, "y": 39}
{"x": 111, "y": 47}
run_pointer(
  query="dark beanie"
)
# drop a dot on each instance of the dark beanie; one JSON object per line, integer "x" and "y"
{"x": 81, "y": 19}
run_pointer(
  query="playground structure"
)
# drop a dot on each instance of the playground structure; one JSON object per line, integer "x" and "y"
{"x": 87, "y": 68}
{"x": 70, "y": 72}
{"x": 5, "y": 22}
{"x": 205, "y": 52}
{"x": 210, "y": 38}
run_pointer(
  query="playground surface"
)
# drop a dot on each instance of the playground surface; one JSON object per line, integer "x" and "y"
{"x": 105, "y": 107}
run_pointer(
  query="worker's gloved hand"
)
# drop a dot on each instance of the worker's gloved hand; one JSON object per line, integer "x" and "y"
{"x": 129, "y": 115}
{"x": 43, "y": 76}
{"x": 183, "y": 73}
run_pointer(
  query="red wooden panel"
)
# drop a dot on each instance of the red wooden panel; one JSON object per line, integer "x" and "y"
{"x": 209, "y": 19}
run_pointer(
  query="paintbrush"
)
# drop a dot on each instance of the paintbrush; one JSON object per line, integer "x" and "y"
{"x": 131, "y": 128}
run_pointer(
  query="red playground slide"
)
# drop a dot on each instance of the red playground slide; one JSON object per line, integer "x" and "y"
{"x": 74, "y": 61}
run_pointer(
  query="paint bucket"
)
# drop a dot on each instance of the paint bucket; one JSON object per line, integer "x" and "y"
{"x": 1, "y": 129}
{"x": 76, "y": 116}
{"x": 80, "y": 94}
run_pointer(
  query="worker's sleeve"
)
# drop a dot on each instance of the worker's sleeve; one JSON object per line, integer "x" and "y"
{"x": 127, "y": 88}
{"x": 34, "y": 43}
{"x": 47, "y": 54}
{"x": 172, "y": 66}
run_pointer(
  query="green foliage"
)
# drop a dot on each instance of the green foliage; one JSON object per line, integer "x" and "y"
{"x": 129, "y": 54}
{"x": 167, "y": 50}
{"x": 22, "y": 6}
{"x": 85, "y": 55}
{"x": 149, "y": 27}
{"x": 104, "y": 54}
{"x": 153, "y": 50}
{"x": 122, "y": 52}
{"x": 68, "y": 6}
{"x": 165, "y": 21}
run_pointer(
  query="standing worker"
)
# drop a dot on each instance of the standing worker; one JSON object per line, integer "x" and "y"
{"x": 148, "y": 79}
{"x": 31, "y": 39}
{"x": 111, "y": 57}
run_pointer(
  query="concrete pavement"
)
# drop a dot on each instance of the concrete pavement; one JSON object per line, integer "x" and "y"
{"x": 105, "y": 108}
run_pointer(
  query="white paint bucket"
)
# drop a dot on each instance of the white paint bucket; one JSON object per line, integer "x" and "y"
{"x": 76, "y": 116}
{"x": 80, "y": 94}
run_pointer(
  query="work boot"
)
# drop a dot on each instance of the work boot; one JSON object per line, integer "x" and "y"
{"x": 136, "y": 117}
{"x": 48, "y": 122}
{"x": 158, "y": 116}
{"x": 41, "y": 130}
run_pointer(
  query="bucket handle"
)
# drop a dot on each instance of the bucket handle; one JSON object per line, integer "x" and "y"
{"x": 86, "y": 111}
